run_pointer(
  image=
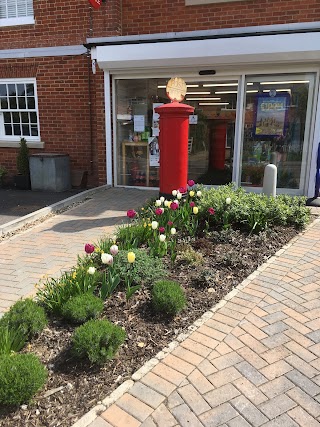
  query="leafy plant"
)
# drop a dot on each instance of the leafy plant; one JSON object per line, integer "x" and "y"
{"x": 27, "y": 316}
{"x": 132, "y": 236}
{"x": 110, "y": 281}
{"x": 186, "y": 254}
{"x": 3, "y": 173}
{"x": 97, "y": 340}
{"x": 145, "y": 270}
{"x": 168, "y": 297}
{"x": 81, "y": 308}
{"x": 21, "y": 377}
{"x": 23, "y": 158}
{"x": 54, "y": 293}
{"x": 11, "y": 340}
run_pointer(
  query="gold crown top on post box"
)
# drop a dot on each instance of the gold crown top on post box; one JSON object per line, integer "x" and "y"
{"x": 176, "y": 89}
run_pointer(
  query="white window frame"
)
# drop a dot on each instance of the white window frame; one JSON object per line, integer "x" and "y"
{"x": 199, "y": 2}
{"x": 13, "y": 140}
{"x": 18, "y": 20}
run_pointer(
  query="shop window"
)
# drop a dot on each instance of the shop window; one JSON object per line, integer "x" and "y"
{"x": 18, "y": 110}
{"x": 16, "y": 12}
{"x": 198, "y": 2}
{"x": 277, "y": 129}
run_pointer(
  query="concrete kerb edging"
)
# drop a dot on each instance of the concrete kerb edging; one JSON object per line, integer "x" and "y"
{"x": 41, "y": 213}
{"x": 89, "y": 417}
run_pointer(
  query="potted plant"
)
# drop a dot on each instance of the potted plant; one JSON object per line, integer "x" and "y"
{"x": 22, "y": 180}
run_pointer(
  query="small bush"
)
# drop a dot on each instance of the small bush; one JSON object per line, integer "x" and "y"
{"x": 54, "y": 293}
{"x": 145, "y": 270}
{"x": 168, "y": 297}
{"x": 27, "y": 316}
{"x": 11, "y": 340}
{"x": 97, "y": 340}
{"x": 21, "y": 376}
{"x": 186, "y": 254}
{"x": 132, "y": 237}
{"x": 81, "y": 308}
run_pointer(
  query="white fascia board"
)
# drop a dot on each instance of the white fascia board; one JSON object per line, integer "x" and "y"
{"x": 42, "y": 52}
{"x": 269, "y": 49}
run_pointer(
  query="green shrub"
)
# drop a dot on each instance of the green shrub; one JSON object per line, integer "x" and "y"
{"x": 11, "y": 340}
{"x": 132, "y": 236}
{"x": 21, "y": 376}
{"x": 23, "y": 158}
{"x": 97, "y": 340}
{"x": 253, "y": 212}
{"x": 145, "y": 270}
{"x": 81, "y": 308}
{"x": 27, "y": 316}
{"x": 168, "y": 297}
{"x": 54, "y": 293}
{"x": 186, "y": 254}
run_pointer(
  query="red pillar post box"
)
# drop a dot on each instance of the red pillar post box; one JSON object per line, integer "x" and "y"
{"x": 173, "y": 143}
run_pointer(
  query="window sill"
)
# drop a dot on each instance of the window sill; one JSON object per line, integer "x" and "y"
{"x": 200, "y": 2}
{"x": 11, "y": 22}
{"x": 16, "y": 144}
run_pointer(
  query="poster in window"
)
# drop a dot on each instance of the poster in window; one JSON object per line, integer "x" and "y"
{"x": 154, "y": 152}
{"x": 271, "y": 115}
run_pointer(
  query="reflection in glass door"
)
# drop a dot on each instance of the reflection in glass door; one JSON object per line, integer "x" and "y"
{"x": 276, "y": 129}
{"x": 211, "y": 136}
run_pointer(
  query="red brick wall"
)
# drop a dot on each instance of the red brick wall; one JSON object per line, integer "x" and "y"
{"x": 62, "y": 23}
{"x": 64, "y": 111}
{"x": 154, "y": 16}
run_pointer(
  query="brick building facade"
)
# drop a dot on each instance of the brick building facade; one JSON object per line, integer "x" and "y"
{"x": 82, "y": 64}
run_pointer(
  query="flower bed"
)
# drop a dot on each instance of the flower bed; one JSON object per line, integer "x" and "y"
{"x": 127, "y": 299}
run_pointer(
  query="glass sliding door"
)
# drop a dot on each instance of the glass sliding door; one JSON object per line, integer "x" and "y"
{"x": 276, "y": 129}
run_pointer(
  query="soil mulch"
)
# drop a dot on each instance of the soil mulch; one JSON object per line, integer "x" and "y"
{"x": 218, "y": 264}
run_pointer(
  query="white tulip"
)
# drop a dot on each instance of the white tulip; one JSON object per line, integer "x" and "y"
{"x": 199, "y": 194}
{"x": 107, "y": 259}
{"x": 173, "y": 231}
{"x": 162, "y": 199}
{"x": 158, "y": 203}
{"x": 114, "y": 250}
{"x": 174, "y": 193}
{"x": 91, "y": 270}
{"x": 154, "y": 225}
{"x": 162, "y": 237}
{"x": 179, "y": 196}
{"x": 166, "y": 203}
{"x": 228, "y": 200}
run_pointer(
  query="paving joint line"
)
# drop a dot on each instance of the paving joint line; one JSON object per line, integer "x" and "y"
{"x": 90, "y": 416}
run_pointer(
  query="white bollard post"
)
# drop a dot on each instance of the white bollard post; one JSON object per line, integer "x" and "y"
{"x": 270, "y": 180}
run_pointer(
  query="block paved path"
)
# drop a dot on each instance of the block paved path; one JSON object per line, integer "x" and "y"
{"x": 252, "y": 361}
{"x": 51, "y": 247}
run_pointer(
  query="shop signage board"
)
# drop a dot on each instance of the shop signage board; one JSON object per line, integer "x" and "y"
{"x": 271, "y": 115}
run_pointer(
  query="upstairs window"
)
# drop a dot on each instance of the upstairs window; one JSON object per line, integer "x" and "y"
{"x": 18, "y": 110}
{"x": 16, "y": 12}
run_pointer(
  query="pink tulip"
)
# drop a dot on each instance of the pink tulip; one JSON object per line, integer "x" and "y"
{"x": 211, "y": 211}
{"x": 131, "y": 213}
{"x": 89, "y": 248}
{"x": 191, "y": 182}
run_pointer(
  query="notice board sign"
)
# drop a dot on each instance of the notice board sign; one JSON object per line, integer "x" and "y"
{"x": 271, "y": 116}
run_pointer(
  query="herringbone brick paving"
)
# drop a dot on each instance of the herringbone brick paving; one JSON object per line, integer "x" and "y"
{"x": 52, "y": 247}
{"x": 255, "y": 362}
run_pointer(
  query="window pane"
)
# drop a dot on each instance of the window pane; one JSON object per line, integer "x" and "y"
{"x": 33, "y": 118}
{"x": 16, "y": 130}
{"x": 3, "y": 90}
{"x": 22, "y": 103}
{"x": 15, "y": 117}
{"x": 34, "y": 130}
{"x": 30, "y": 89}
{"x": 31, "y": 103}
{"x": 24, "y": 117}
{"x": 12, "y": 90}
{"x": 20, "y": 89}
{"x": 3, "y": 103}
{"x": 16, "y": 8}
{"x": 7, "y": 117}
{"x": 25, "y": 130}
{"x": 13, "y": 102}
{"x": 8, "y": 129}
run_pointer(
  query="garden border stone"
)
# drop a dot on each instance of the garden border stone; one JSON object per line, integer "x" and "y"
{"x": 88, "y": 418}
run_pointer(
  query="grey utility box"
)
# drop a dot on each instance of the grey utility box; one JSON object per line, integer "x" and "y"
{"x": 50, "y": 172}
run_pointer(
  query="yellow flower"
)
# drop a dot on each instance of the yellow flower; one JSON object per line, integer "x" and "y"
{"x": 142, "y": 209}
{"x": 169, "y": 203}
{"x": 131, "y": 257}
{"x": 191, "y": 193}
{"x": 195, "y": 210}
{"x": 144, "y": 224}
{"x": 149, "y": 225}
{"x": 74, "y": 275}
